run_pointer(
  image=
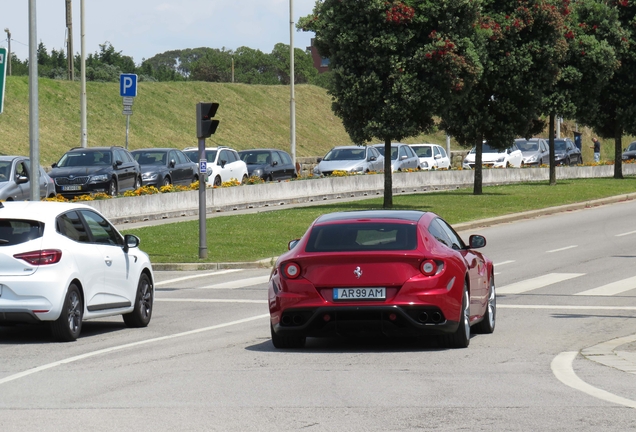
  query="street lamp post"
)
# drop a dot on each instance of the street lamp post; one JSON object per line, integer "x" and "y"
{"x": 8, "y": 51}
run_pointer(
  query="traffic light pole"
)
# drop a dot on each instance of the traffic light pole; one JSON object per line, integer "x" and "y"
{"x": 203, "y": 241}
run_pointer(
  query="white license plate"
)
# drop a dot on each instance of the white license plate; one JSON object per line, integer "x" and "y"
{"x": 359, "y": 293}
{"x": 72, "y": 188}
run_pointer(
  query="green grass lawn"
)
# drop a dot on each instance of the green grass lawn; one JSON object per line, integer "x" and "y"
{"x": 250, "y": 237}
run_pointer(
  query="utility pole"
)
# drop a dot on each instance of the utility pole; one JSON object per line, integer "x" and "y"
{"x": 84, "y": 129}
{"x": 69, "y": 40}
{"x": 292, "y": 102}
{"x": 34, "y": 114}
{"x": 8, "y": 51}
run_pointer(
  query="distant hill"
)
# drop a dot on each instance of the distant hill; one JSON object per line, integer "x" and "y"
{"x": 252, "y": 116}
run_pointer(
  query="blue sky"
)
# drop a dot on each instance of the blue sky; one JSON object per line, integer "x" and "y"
{"x": 143, "y": 28}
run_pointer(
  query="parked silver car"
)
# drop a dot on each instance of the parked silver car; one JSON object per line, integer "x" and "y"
{"x": 353, "y": 159}
{"x": 403, "y": 157}
{"x": 535, "y": 151}
{"x": 15, "y": 179}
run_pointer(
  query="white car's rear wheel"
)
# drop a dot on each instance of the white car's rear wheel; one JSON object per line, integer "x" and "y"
{"x": 69, "y": 325}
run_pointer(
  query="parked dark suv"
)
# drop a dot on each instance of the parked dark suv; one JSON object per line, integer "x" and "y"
{"x": 96, "y": 169}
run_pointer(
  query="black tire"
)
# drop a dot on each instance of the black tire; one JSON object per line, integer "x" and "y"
{"x": 286, "y": 342}
{"x": 269, "y": 178}
{"x": 487, "y": 324}
{"x": 68, "y": 326}
{"x": 137, "y": 184}
{"x": 568, "y": 162}
{"x": 217, "y": 181}
{"x": 461, "y": 337}
{"x": 244, "y": 179}
{"x": 113, "y": 190}
{"x": 144, "y": 300}
{"x": 166, "y": 181}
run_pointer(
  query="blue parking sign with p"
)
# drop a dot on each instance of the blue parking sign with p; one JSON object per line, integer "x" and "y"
{"x": 128, "y": 85}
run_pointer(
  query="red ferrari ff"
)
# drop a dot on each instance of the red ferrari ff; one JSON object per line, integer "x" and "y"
{"x": 391, "y": 272}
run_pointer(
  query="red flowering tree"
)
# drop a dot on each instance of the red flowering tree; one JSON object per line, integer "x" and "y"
{"x": 522, "y": 44}
{"x": 394, "y": 64}
{"x": 592, "y": 32}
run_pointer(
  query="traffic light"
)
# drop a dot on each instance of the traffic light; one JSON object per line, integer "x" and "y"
{"x": 205, "y": 125}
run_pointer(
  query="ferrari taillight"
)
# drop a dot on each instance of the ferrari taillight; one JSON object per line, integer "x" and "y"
{"x": 292, "y": 270}
{"x": 40, "y": 257}
{"x": 431, "y": 267}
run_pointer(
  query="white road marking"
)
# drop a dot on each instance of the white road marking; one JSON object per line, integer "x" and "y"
{"x": 176, "y": 300}
{"x": 125, "y": 346}
{"x": 565, "y": 307}
{"x": 611, "y": 288}
{"x": 503, "y": 263}
{"x": 562, "y": 369}
{"x": 241, "y": 283}
{"x": 535, "y": 283}
{"x": 626, "y": 234}
{"x": 220, "y": 272}
{"x": 562, "y": 249}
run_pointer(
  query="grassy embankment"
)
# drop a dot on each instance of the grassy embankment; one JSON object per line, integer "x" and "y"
{"x": 233, "y": 238}
{"x": 164, "y": 116}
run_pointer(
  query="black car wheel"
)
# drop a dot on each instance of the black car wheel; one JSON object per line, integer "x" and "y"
{"x": 284, "y": 342}
{"x": 269, "y": 178}
{"x": 461, "y": 337}
{"x": 137, "y": 183}
{"x": 166, "y": 181}
{"x": 487, "y": 324}
{"x": 141, "y": 314}
{"x": 568, "y": 162}
{"x": 69, "y": 325}
{"x": 112, "y": 188}
{"x": 244, "y": 179}
{"x": 217, "y": 181}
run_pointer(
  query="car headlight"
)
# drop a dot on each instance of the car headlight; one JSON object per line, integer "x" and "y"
{"x": 357, "y": 169}
{"x": 531, "y": 159}
{"x": 99, "y": 178}
{"x": 501, "y": 159}
{"x": 258, "y": 172}
{"x": 149, "y": 176}
{"x": 425, "y": 164}
{"x": 316, "y": 171}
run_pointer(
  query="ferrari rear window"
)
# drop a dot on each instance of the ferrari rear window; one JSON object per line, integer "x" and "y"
{"x": 16, "y": 231}
{"x": 362, "y": 237}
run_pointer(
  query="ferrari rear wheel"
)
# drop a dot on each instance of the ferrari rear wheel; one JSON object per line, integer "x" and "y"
{"x": 284, "y": 342}
{"x": 461, "y": 337}
{"x": 487, "y": 324}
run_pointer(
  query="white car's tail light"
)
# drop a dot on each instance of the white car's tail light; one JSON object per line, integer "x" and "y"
{"x": 40, "y": 257}
{"x": 292, "y": 270}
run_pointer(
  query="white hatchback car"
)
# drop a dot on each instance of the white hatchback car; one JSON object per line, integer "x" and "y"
{"x": 432, "y": 156}
{"x": 223, "y": 164}
{"x": 495, "y": 158}
{"x": 63, "y": 263}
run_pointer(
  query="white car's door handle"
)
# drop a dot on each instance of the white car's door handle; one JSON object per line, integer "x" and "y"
{"x": 108, "y": 261}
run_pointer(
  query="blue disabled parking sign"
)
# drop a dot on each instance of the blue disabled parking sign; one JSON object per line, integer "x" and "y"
{"x": 128, "y": 85}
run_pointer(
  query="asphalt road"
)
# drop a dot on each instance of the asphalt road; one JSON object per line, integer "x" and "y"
{"x": 566, "y": 283}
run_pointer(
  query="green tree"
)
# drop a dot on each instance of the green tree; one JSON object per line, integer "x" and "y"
{"x": 304, "y": 70}
{"x": 616, "y": 113}
{"x": 253, "y": 66}
{"x": 588, "y": 66}
{"x": 214, "y": 66}
{"x": 521, "y": 43}
{"x": 394, "y": 63}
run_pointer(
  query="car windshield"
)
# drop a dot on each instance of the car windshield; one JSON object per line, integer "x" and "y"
{"x": 528, "y": 145}
{"x": 150, "y": 158}
{"x": 5, "y": 171}
{"x": 346, "y": 154}
{"x": 423, "y": 151}
{"x": 84, "y": 158}
{"x": 256, "y": 158}
{"x": 210, "y": 155}
{"x": 559, "y": 145}
{"x": 16, "y": 231}
{"x": 394, "y": 151}
{"x": 632, "y": 147}
{"x": 370, "y": 236}
{"x": 485, "y": 148}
